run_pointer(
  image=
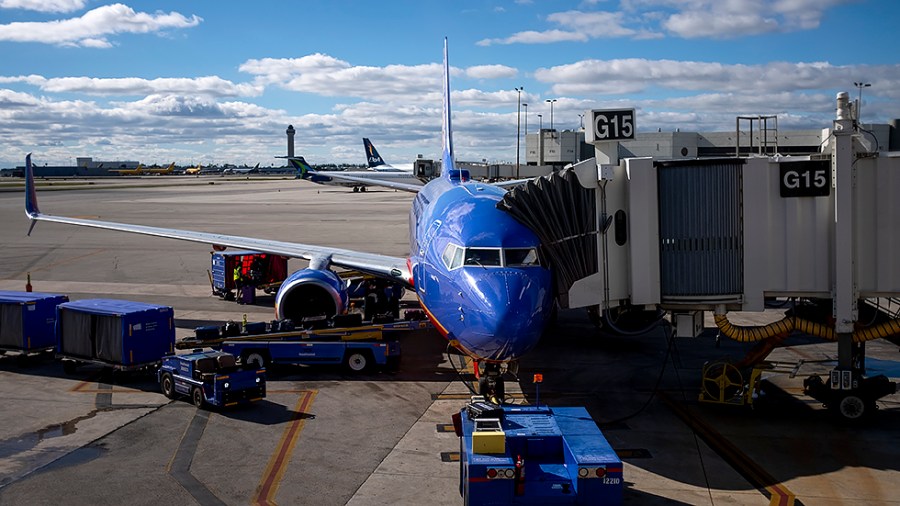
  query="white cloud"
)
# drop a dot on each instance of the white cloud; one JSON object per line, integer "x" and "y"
{"x": 327, "y": 76}
{"x": 93, "y": 28}
{"x": 645, "y": 19}
{"x": 207, "y": 86}
{"x": 635, "y": 75}
{"x": 491, "y": 72}
{"x": 43, "y": 5}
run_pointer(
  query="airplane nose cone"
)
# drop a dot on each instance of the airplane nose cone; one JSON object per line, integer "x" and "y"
{"x": 507, "y": 312}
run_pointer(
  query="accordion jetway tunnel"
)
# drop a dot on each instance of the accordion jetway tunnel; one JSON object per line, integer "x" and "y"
{"x": 729, "y": 234}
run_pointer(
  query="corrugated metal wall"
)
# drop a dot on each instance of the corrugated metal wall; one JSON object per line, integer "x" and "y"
{"x": 701, "y": 245}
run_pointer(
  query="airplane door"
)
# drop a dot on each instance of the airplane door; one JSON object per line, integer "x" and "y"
{"x": 427, "y": 237}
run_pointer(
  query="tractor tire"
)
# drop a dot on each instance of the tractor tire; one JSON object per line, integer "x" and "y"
{"x": 167, "y": 385}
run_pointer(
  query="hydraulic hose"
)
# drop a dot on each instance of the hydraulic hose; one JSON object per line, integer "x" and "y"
{"x": 746, "y": 334}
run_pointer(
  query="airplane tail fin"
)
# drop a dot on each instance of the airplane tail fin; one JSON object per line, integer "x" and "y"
{"x": 303, "y": 168}
{"x": 373, "y": 159}
{"x": 31, "y": 203}
{"x": 448, "y": 165}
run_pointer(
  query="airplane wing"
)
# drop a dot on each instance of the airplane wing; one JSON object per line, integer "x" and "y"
{"x": 393, "y": 268}
{"x": 397, "y": 185}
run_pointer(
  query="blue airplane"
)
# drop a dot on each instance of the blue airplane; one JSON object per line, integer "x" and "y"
{"x": 474, "y": 268}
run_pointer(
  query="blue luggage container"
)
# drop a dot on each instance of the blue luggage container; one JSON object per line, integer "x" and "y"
{"x": 118, "y": 333}
{"x": 28, "y": 320}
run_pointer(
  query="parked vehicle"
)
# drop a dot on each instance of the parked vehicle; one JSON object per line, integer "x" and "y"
{"x": 211, "y": 378}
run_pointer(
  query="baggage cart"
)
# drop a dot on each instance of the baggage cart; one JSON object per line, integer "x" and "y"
{"x": 28, "y": 321}
{"x": 118, "y": 334}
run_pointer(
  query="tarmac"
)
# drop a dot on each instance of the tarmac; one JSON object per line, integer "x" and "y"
{"x": 325, "y": 437}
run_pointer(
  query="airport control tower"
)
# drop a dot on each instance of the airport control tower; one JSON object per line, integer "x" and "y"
{"x": 290, "y": 140}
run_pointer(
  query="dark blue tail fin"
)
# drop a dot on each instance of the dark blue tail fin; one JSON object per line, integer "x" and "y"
{"x": 373, "y": 159}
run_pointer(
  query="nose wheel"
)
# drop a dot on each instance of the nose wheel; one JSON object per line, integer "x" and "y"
{"x": 490, "y": 383}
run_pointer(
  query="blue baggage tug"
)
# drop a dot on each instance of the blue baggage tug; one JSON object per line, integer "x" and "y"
{"x": 120, "y": 334}
{"x": 211, "y": 378}
{"x": 535, "y": 455}
{"x": 28, "y": 321}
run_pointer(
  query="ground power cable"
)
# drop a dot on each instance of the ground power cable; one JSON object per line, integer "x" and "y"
{"x": 684, "y": 399}
{"x": 669, "y": 333}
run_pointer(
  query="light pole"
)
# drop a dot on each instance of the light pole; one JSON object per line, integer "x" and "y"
{"x": 540, "y": 142}
{"x": 550, "y": 101}
{"x": 860, "y": 85}
{"x": 525, "y": 106}
{"x": 581, "y": 120}
{"x": 518, "y": 124}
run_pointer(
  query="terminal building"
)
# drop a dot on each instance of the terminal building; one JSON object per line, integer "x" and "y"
{"x": 84, "y": 167}
{"x": 549, "y": 150}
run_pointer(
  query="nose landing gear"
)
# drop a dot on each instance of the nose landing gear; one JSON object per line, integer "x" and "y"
{"x": 490, "y": 381}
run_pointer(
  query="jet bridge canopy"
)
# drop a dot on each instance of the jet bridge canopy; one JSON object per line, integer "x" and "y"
{"x": 561, "y": 213}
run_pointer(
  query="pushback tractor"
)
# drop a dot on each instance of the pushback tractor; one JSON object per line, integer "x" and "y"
{"x": 534, "y": 455}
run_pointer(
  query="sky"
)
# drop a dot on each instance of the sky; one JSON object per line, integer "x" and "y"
{"x": 219, "y": 82}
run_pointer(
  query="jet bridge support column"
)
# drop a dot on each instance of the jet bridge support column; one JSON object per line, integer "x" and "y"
{"x": 845, "y": 286}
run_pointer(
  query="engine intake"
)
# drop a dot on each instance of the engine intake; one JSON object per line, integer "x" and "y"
{"x": 311, "y": 292}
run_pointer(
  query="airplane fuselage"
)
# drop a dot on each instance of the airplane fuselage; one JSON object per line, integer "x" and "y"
{"x": 476, "y": 272}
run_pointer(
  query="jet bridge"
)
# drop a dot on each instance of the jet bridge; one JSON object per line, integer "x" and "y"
{"x": 729, "y": 234}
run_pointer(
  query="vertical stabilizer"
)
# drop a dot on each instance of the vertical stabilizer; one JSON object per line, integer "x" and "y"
{"x": 373, "y": 159}
{"x": 303, "y": 168}
{"x": 448, "y": 166}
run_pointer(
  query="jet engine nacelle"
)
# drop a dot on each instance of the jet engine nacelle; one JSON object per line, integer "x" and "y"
{"x": 311, "y": 292}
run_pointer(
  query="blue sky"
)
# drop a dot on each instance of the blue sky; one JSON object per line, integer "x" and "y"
{"x": 218, "y": 82}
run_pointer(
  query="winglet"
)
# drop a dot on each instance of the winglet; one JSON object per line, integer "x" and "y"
{"x": 448, "y": 166}
{"x": 31, "y": 203}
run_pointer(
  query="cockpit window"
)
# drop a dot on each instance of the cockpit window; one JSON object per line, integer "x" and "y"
{"x": 517, "y": 257}
{"x": 483, "y": 257}
{"x": 453, "y": 256}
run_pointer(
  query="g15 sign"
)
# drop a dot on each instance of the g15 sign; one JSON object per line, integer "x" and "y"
{"x": 610, "y": 125}
{"x": 805, "y": 179}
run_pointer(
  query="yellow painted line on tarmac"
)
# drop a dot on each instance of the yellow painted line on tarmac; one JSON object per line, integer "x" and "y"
{"x": 778, "y": 494}
{"x": 271, "y": 479}
{"x": 80, "y": 386}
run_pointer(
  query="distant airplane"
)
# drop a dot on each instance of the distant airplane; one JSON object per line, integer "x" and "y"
{"x": 137, "y": 171}
{"x": 358, "y": 180}
{"x": 168, "y": 170}
{"x": 242, "y": 170}
{"x": 475, "y": 269}
{"x": 374, "y": 160}
{"x": 194, "y": 170}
